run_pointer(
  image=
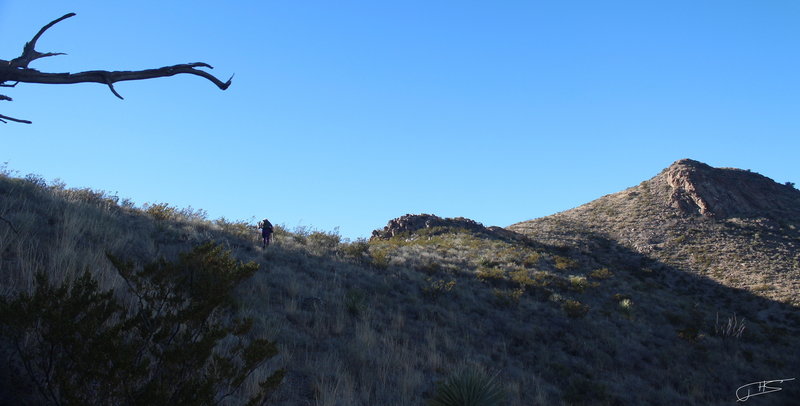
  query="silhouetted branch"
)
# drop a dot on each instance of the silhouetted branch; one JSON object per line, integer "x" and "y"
{"x": 111, "y": 77}
{"x": 29, "y": 53}
{"x": 16, "y": 120}
{"x": 17, "y": 71}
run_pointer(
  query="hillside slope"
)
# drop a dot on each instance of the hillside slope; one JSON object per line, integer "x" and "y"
{"x": 736, "y": 227}
{"x": 564, "y": 315}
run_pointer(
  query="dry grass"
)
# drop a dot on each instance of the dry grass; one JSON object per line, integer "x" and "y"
{"x": 381, "y": 323}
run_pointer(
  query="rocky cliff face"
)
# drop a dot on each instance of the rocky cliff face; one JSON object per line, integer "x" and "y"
{"x": 727, "y": 192}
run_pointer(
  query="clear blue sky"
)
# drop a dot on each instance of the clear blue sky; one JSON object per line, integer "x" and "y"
{"x": 350, "y": 113}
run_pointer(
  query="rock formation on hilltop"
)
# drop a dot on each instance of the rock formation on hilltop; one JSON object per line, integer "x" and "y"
{"x": 410, "y": 223}
{"x": 727, "y": 192}
{"x": 413, "y": 222}
{"x": 737, "y": 227}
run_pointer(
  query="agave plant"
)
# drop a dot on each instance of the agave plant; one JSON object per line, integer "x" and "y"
{"x": 469, "y": 387}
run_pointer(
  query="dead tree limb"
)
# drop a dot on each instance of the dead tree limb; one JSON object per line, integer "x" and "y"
{"x": 17, "y": 71}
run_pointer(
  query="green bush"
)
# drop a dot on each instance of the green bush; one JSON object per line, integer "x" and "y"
{"x": 469, "y": 387}
{"x": 321, "y": 242}
{"x": 578, "y": 283}
{"x": 239, "y": 228}
{"x": 357, "y": 250}
{"x": 79, "y": 346}
{"x": 522, "y": 277}
{"x": 379, "y": 257}
{"x": 161, "y": 211}
{"x": 490, "y": 274}
{"x": 564, "y": 263}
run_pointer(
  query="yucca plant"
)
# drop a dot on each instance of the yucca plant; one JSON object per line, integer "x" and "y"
{"x": 469, "y": 387}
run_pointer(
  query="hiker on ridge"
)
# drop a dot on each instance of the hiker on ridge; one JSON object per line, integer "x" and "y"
{"x": 266, "y": 231}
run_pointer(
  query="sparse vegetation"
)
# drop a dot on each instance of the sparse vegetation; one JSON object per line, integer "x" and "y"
{"x": 564, "y": 263}
{"x": 602, "y": 273}
{"x": 382, "y": 322}
{"x": 437, "y": 287}
{"x": 732, "y": 328}
{"x": 164, "y": 351}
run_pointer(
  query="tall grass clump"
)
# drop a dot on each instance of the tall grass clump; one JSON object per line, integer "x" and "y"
{"x": 733, "y": 328}
{"x": 469, "y": 387}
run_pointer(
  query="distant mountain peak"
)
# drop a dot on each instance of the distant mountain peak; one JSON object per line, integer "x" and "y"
{"x": 697, "y": 188}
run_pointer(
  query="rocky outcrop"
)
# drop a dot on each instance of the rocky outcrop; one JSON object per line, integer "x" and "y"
{"x": 413, "y": 222}
{"x": 697, "y": 188}
{"x": 410, "y": 223}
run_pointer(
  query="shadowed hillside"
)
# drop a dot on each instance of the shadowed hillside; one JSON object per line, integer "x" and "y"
{"x": 570, "y": 309}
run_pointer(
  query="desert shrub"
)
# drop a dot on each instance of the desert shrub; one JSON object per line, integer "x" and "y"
{"x": 469, "y": 387}
{"x": 321, "y": 242}
{"x": 436, "y": 287}
{"x": 357, "y": 250}
{"x": 239, "y": 228}
{"x": 488, "y": 262}
{"x": 379, "y": 257}
{"x": 574, "y": 308}
{"x": 578, "y": 283}
{"x": 79, "y": 346}
{"x": 531, "y": 259}
{"x": 522, "y": 277}
{"x": 564, "y": 263}
{"x": 190, "y": 213}
{"x": 626, "y": 307}
{"x": 90, "y": 196}
{"x": 602, "y": 273}
{"x": 36, "y": 180}
{"x": 489, "y": 274}
{"x": 161, "y": 211}
{"x": 762, "y": 287}
{"x": 508, "y": 297}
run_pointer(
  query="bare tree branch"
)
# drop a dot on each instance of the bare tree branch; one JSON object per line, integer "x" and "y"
{"x": 16, "y": 120}
{"x": 17, "y": 71}
{"x": 111, "y": 77}
{"x": 29, "y": 54}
